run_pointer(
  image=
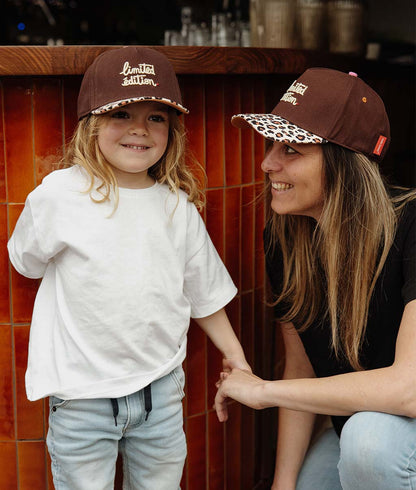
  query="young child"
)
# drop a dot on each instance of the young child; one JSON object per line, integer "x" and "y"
{"x": 125, "y": 261}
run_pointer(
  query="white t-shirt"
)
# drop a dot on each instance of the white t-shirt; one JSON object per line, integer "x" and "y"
{"x": 118, "y": 290}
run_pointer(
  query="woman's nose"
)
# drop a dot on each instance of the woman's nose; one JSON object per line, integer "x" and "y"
{"x": 271, "y": 162}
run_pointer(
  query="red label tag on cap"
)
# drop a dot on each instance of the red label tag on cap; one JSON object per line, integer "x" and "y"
{"x": 379, "y": 145}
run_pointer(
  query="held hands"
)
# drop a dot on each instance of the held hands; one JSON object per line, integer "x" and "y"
{"x": 240, "y": 385}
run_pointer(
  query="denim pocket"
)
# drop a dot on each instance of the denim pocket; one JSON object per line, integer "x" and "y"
{"x": 55, "y": 403}
{"x": 178, "y": 377}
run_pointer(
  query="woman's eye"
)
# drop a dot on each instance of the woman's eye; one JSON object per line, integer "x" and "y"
{"x": 289, "y": 149}
{"x": 120, "y": 115}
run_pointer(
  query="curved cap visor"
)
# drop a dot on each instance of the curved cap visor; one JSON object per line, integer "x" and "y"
{"x": 120, "y": 103}
{"x": 276, "y": 128}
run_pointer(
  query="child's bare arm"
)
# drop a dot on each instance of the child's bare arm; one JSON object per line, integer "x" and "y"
{"x": 218, "y": 328}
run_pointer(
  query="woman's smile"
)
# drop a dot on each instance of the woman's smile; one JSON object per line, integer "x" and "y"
{"x": 281, "y": 186}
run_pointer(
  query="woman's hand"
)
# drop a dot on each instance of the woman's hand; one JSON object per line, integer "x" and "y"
{"x": 240, "y": 385}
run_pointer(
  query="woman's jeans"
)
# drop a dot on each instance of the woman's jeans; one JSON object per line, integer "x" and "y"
{"x": 376, "y": 451}
{"x": 84, "y": 440}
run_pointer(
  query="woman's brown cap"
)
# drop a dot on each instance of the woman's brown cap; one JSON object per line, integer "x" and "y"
{"x": 326, "y": 105}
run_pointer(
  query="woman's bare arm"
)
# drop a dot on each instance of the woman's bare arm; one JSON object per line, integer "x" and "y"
{"x": 391, "y": 389}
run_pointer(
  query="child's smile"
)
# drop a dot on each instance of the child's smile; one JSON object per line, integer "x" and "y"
{"x": 132, "y": 139}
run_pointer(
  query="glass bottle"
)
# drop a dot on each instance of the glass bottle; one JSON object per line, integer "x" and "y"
{"x": 311, "y": 23}
{"x": 279, "y": 23}
{"x": 346, "y": 26}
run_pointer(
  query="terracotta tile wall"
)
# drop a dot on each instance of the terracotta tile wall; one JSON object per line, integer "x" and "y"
{"x": 37, "y": 116}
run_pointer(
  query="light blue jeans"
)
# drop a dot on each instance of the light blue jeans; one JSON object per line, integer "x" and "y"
{"x": 84, "y": 440}
{"x": 376, "y": 451}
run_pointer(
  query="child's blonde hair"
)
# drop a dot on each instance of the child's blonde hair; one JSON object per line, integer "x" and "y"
{"x": 172, "y": 168}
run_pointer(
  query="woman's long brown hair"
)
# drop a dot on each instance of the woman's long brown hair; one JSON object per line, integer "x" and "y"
{"x": 349, "y": 245}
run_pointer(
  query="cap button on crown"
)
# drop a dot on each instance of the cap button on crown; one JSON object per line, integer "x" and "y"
{"x": 353, "y": 74}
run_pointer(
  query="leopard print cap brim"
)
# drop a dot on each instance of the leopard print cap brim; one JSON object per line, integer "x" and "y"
{"x": 276, "y": 128}
{"x": 121, "y": 103}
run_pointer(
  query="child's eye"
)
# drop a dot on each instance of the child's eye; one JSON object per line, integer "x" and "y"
{"x": 157, "y": 118}
{"x": 120, "y": 115}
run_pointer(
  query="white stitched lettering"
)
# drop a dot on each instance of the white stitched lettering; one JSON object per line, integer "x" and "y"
{"x": 289, "y": 97}
{"x": 138, "y": 80}
{"x": 141, "y": 69}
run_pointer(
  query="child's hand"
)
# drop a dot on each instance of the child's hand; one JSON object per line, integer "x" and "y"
{"x": 235, "y": 363}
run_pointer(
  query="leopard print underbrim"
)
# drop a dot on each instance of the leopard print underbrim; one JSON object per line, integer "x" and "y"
{"x": 276, "y": 128}
{"x": 120, "y": 103}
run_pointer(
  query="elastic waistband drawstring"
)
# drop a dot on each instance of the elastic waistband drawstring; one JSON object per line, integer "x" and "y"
{"x": 114, "y": 403}
{"x": 147, "y": 391}
{"x": 147, "y": 400}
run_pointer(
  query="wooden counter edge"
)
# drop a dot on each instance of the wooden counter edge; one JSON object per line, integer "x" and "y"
{"x": 73, "y": 60}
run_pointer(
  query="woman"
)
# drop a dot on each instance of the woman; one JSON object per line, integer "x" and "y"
{"x": 340, "y": 254}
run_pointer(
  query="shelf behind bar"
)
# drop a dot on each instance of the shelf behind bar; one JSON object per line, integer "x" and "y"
{"x": 73, "y": 60}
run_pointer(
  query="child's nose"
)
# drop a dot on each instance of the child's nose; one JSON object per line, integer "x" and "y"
{"x": 138, "y": 126}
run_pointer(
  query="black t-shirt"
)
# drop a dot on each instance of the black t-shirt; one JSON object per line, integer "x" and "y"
{"x": 395, "y": 287}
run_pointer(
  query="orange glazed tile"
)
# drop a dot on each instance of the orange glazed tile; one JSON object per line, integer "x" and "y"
{"x": 8, "y": 469}
{"x": 196, "y": 368}
{"x": 247, "y": 135}
{"x": 196, "y": 464}
{"x": 71, "y": 88}
{"x": 47, "y": 122}
{"x": 260, "y": 149}
{"x": 46, "y": 414}
{"x": 7, "y": 426}
{"x": 23, "y": 289}
{"x": 247, "y": 325}
{"x": 183, "y": 484}
{"x": 3, "y": 195}
{"x": 233, "y": 447}
{"x": 214, "y": 114}
{"x": 215, "y": 452}
{"x": 260, "y": 313}
{"x": 248, "y": 449}
{"x": 32, "y": 466}
{"x": 231, "y": 134}
{"x": 48, "y": 469}
{"x": 258, "y": 238}
{"x": 193, "y": 98}
{"x": 247, "y": 238}
{"x": 4, "y": 268}
{"x": 30, "y": 417}
{"x": 18, "y": 134}
{"x": 232, "y": 233}
{"x": 118, "y": 480}
{"x": 215, "y": 218}
{"x": 259, "y": 141}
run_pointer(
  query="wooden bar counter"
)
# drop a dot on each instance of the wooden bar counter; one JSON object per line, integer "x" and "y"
{"x": 38, "y": 93}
